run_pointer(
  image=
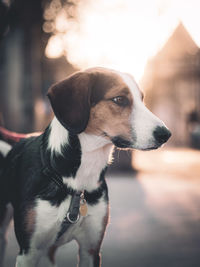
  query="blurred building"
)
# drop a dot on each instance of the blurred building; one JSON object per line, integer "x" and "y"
{"x": 172, "y": 86}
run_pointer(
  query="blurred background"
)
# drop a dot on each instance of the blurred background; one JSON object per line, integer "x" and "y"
{"x": 155, "y": 196}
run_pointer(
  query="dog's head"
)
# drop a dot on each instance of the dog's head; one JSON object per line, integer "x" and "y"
{"x": 107, "y": 103}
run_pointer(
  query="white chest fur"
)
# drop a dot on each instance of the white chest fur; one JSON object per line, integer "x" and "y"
{"x": 95, "y": 154}
{"x": 49, "y": 219}
{"x": 96, "y": 151}
{"x": 92, "y": 163}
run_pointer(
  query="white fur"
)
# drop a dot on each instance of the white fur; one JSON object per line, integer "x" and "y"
{"x": 90, "y": 142}
{"x": 87, "y": 232}
{"x": 58, "y": 136}
{"x": 47, "y": 225}
{"x": 89, "y": 235}
{"x": 4, "y": 148}
{"x": 96, "y": 152}
{"x": 93, "y": 222}
{"x": 31, "y": 259}
{"x": 143, "y": 121}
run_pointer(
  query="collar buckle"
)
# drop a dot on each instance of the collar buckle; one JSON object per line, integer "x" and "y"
{"x": 70, "y": 219}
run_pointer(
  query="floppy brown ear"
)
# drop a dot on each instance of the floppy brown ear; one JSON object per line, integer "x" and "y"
{"x": 70, "y": 100}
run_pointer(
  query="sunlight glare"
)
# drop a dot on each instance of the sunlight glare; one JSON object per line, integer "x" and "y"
{"x": 119, "y": 34}
{"x": 54, "y": 47}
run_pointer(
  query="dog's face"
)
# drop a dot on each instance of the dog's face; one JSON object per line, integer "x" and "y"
{"x": 107, "y": 103}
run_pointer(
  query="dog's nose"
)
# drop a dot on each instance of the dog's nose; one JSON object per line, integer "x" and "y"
{"x": 161, "y": 134}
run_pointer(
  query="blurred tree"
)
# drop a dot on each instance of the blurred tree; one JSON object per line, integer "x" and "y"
{"x": 25, "y": 73}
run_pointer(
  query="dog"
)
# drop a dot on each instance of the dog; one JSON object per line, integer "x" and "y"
{"x": 56, "y": 181}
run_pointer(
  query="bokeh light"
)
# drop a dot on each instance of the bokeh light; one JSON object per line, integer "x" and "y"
{"x": 120, "y": 34}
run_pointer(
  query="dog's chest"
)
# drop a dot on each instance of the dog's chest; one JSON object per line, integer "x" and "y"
{"x": 49, "y": 219}
{"x": 88, "y": 174}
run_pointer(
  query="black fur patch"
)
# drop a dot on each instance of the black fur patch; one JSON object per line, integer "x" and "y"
{"x": 1, "y": 163}
{"x": 55, "y": 194}
{"x": 23, "y": 182}
{"x": 69, "y": 161}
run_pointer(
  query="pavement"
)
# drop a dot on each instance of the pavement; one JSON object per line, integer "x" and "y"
{"x": 155, "y": 215}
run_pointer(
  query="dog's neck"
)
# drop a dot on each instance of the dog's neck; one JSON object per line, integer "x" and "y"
{"x": 59, "y": 137}
{"x": 82, "y": 156}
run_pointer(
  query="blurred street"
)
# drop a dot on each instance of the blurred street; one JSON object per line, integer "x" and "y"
{"x": 155, "y": 215}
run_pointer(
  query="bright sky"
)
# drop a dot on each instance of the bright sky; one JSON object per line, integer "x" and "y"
{"x": 121, "y": 34}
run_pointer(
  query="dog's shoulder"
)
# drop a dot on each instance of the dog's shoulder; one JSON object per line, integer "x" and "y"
{"x": 23, "y": 166}
{"x": 24, "y": 155}
{"x": 25, "y": 145}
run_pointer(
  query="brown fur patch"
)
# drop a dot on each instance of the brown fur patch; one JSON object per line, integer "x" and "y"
{"x": 72, "y": 99}
{"x": 106, "y": 116}
{"x": 30, "y": 220}
{"x": 92, "y": 251}
{"x": 51, "y": 254}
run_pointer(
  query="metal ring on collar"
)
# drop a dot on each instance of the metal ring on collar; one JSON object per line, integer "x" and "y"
{"x": 73, "y": 221}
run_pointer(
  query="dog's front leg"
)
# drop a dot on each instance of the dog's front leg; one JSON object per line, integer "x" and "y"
{"x": 32, "y": 258}
{"x": 90, "y": 238}
{"x": 6, "y": 214}
{"x": 89, "y": 257}
{"x": 29, "y": 259}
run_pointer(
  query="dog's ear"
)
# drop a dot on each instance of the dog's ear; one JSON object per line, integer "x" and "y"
{"x": 70, "y": 100}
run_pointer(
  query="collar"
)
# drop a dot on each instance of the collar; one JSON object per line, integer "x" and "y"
{"x": 73, "y": 213}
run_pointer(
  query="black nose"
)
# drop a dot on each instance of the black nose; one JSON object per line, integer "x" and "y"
{"x": 161, "y": 134}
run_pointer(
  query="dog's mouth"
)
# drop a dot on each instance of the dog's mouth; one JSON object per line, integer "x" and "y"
{"x": 153, "y": 147}
{"x": 123, "y": 143}
{"x": 150, "y": 148}
{"x": 120, "y": 142}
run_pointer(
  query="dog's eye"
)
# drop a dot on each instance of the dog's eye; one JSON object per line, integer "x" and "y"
{"x": 120, "y": 101}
